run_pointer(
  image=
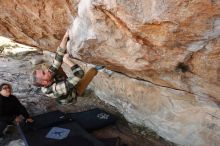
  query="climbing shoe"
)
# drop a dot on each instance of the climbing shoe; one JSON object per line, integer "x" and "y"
{"x": 99, "y": 67}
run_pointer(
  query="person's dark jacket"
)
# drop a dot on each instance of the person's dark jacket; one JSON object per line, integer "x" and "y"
{"x": 10, "y": 107}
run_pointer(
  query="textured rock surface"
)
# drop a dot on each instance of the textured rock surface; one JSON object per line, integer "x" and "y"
{"x": 39, "y": 23}
{"x": 169, "y": 43}
{"x": 176, "y": 115}
{"x": 169, "y": 48}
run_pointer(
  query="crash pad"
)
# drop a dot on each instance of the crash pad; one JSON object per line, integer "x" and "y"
{"x": 93, "y": 119}
{"x": 68, "y": 134}
{"x": 70, "y": 129}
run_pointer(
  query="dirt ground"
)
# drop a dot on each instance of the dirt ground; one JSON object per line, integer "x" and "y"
{"x": 15, "y": 69}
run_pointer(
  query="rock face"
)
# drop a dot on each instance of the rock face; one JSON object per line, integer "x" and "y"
{"x": 168, "y": 43}
{"x": 39, "y": 23}
{"x": 171, "y": 48}
{"x": 168, "y": 52}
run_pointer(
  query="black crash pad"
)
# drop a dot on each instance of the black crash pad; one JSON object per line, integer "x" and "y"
{"x": 93, "y": 119}
{"x": 36, "y": 134}
{"x": 76, "y": 136}
{"x": 90, "y": 120}
{"x": 45, "y": 120}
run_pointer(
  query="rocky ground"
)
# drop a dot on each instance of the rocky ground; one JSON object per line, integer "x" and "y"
{"x": 15, "y": 68}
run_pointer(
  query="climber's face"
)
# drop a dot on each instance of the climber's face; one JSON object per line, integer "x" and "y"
{"x": 44, "y": 77}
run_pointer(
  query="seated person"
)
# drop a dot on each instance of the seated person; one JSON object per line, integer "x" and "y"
{"x": 11, "y": 109}
{"x": 64, "y": 89}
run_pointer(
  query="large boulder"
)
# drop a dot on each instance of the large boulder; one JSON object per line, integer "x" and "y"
{"x": 169, "y": 43}
{"x": 40, "y": 23}
{"x": 170, "y": 49}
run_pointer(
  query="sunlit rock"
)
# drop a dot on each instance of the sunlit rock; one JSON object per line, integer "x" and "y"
{"x": 170, "y": 49}
{"x": 39, "y": 23}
